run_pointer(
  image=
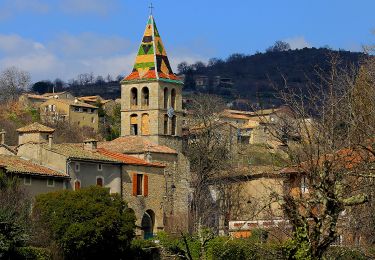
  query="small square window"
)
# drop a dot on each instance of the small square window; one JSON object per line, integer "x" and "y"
{"x": 100, "y": 167}
{"x": 50, "y": 182}
{"x": 99, "y": 181}
{"x": 77, "y": 167}
{"x": 27, "y": 180}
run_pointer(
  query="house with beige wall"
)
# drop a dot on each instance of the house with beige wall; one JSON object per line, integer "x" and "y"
{"x": 73, "y": 111}
{"x": 44, "y": 166}
{"x": 34, "y": 178}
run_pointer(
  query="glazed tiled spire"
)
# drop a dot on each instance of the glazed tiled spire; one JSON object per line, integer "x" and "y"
{"x": 152, "y": 61}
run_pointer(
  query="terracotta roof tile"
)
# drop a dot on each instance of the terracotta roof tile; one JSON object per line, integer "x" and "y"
{"x": 135, "y": 144}
{"x": 34, "y": 128}
{"x": 76, "y": 151}
{"x": 16, "y": 164}
{"x": 127, "y": 159}
{"x": 74, "y": 103}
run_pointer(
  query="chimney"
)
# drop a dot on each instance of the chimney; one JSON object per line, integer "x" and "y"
{"x": 90, "y": 145}
{"x": 50, "y": 141}
{"x": 2, "y": 136}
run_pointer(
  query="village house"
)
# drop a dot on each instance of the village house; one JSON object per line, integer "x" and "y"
{"x": 72, "y": 111}
{"x": 34, "y": 178}
{"x": 35, "y": 100}
{"x": 44, "y": 166}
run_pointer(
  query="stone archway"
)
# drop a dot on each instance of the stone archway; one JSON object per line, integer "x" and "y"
{"x": 147, "y": 224}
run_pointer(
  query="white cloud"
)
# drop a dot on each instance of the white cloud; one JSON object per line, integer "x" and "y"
{"x": 298, "y": 42}
{"x": 9, "y": 8}
{"x": 76, "y": 54}
{"x": 89, "y": 45}
{"x": 68, "y": 55}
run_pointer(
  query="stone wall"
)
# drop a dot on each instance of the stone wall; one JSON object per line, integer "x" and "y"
{"x": 155, "y": 199}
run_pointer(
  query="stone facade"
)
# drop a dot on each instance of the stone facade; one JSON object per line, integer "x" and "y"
{"x": 74, "y": 112}
{"x": 150, "y": 113}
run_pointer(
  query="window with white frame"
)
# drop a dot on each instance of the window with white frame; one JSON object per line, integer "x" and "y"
{"x": 77, "y": 167}
{"x": 304, "y": 184}
{"x": 50, "y": 183}
{"x": 27, "y": 180}
{"x": 100, "y": 167}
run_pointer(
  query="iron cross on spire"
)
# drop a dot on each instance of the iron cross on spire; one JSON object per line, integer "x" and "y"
{"x": 151, "y": 7}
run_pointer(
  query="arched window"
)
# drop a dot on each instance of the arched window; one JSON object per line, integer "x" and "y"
{"x": 173, "y": 98}
{"x": 77, "y": 184}
{"x": 134, "y": 124}
{"x": 133, "y": 97}
{"x": 174, "y": 124}
{"x": 99, "y": 181}
{"x": 165, "y": 124}
{"x": 165, "y": 98}
{"x": 145, "y": 97}
{"x": 145, "y": 127}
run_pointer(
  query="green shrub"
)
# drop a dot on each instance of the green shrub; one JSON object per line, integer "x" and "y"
{"x": 144, "y": 249}
{"x": 86, "y": 224}
{"x": 344, "y": 253}
{"x": 32, "y": 253}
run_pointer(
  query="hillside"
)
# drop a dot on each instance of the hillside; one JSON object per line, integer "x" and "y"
{"x": 254, "y": 76}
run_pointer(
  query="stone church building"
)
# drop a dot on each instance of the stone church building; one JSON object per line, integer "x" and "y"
{"x": 151, "y": 125}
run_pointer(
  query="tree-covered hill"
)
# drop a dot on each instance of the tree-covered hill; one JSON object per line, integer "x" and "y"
{"x": 254, "y": 77}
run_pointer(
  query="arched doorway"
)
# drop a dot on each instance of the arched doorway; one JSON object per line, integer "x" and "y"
{"x": 147, "y": 224}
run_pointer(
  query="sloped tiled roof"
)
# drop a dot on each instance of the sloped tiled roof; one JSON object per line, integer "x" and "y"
{"x": 152, "y": 62}
{"x": 16, "y": 164}
{"x": 74, "y": 103}
{"x": 76, "y": 151}
{"x": 35, "y": 96}
{"x": 53, "y": 94}
{"x": 35, "y": 128}
{"x": 11, "y": 149}
{"x": 134, "y": 144}
{"x": 127, "y": 159}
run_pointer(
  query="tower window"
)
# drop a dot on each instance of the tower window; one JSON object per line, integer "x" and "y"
{"x": 174, "y": 124}
{"x": 165, "y": 124}
{"x": 145, "y": 97}
{"x": 133, "y": 125}
{"x": 173, "y": 98}
{"x": 166, "y": 98}
{"x": 145, "y": 124}
{"x": 139, "y": 184}
{"x": 134, "y": 97}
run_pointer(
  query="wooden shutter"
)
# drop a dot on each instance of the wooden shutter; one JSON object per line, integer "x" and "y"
{"x": 134, "y": 184}
{"x": 145, "y": 193}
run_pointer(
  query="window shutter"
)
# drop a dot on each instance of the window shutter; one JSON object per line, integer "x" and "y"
{"x": 134, "y": 184}
{"x": 145, "y": 185}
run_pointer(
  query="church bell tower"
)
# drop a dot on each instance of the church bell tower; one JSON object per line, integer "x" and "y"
{"x": 151, "y": 96}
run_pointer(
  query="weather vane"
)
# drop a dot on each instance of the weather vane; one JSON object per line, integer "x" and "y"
{"x": 151, "y": 7}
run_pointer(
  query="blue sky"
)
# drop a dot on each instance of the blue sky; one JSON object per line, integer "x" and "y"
{"x": 63, "y": 38}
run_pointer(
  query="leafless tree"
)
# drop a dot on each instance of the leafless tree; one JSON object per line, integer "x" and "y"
{"x": 12, "y": 82}
{"x": 208, "y": 149}
{"x": 335, "y": 121}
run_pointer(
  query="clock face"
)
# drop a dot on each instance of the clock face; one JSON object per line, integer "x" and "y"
{"x": 170, "y": 112}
